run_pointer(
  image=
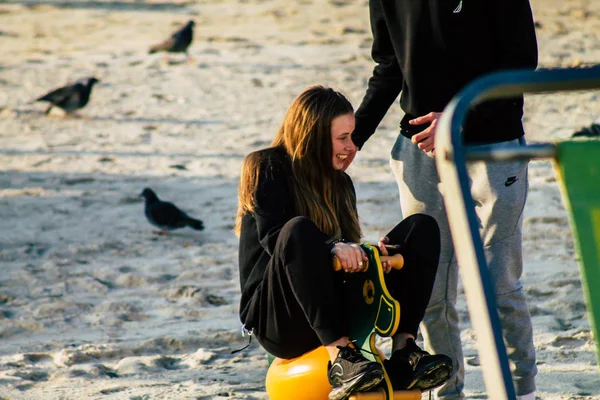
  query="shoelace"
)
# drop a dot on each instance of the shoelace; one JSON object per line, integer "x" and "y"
{"x": 353, "y": 353}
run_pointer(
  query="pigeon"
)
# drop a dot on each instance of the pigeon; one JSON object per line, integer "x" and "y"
{"x": 166, "y": 216}
{"x": 589, "y": 131}
{"x": 178, "y": 42}
{"x": 70, "y": 97}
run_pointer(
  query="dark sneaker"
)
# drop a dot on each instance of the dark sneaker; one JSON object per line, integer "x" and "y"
{"x": 352, "y": 372}
{"x": 413, "y": 368}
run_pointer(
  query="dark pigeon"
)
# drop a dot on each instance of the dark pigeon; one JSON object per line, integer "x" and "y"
{"x": 166, "y": 216}
{"x": 70, "y": 97}
{"x": 589, "y": 131}
{"x": 178, "y": 42}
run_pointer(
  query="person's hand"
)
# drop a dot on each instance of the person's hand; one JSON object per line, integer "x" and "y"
{"x": 426, "y": 140}
{"x": 351, "y": 256}
{"x": 386, "y": 265}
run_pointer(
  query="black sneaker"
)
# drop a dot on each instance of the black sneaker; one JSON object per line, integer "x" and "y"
{"x": 413, "y": 368}
{"x": 352, "y": 372}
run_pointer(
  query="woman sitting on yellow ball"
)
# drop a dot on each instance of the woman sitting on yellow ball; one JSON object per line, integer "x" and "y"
{"x": 297, "y": 208}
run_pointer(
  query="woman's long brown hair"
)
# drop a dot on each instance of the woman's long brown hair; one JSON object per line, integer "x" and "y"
{"x": 321, "y": 192}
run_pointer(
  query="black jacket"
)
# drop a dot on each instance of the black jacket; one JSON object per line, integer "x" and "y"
{"x": 260, "y": 228}
{"x": 430, "y": 49}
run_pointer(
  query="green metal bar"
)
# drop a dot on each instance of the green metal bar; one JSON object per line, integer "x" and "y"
{"x": 578, "y": 165}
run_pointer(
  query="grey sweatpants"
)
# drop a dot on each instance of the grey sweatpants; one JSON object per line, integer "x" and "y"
{"x": 499, "y": 191}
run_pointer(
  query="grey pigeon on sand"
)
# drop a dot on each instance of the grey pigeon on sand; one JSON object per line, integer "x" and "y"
{"x": 166, "y": 216}
{"x": 70, "y": 97}
{"x": 178, "y": 42}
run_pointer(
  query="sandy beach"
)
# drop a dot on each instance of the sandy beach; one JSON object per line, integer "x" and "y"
{"x": 93, "y": 305}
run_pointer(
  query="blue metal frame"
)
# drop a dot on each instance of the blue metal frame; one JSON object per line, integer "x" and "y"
{"x": 451, "y": 157}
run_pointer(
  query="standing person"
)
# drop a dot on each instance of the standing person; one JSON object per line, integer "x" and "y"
{"x": 297, "y": 209}
{"x": 428, "y": 51}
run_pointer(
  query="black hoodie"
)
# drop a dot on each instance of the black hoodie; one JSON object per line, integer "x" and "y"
{"x": 274, "y": 207}
{"x": 430, "y": 49}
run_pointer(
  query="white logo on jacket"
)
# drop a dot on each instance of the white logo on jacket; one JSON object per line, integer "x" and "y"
{"x": 458, "y": 8}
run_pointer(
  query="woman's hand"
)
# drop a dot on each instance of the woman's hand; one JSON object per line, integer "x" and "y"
{"x": 386, "y": 265}
{"x": 351, "y": 256}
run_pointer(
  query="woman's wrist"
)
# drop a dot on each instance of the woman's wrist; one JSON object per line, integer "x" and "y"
{"x": 333, "y": 241}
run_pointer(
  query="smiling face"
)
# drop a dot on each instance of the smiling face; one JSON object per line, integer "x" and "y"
{"x": 344, "y": 149}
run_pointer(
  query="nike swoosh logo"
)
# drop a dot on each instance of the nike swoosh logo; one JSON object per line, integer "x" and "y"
{"x": 339, "y": 371}
{"x": 510, "y": 180}
{"x": 458, "y": 9}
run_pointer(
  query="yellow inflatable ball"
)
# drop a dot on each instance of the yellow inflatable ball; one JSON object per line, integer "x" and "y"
{"x": 301, "y": 378}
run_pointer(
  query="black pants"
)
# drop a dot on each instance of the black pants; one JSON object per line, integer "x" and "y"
{"x": 297, "y": 308}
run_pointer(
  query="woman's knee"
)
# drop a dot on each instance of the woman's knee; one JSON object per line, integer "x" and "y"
{"x": 426, "y": 222}
{"x": 425, "y": 229}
